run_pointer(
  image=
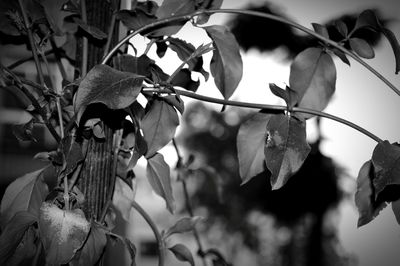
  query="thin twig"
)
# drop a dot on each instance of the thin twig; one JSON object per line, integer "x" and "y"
{"x": 58, "y": 58}
{"x": 85, "y": 44}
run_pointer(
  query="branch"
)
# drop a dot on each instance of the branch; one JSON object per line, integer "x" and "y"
{"x": 268, "y": 107}
{"x": 143, "y": 213}
{"x": 256, "y": 14}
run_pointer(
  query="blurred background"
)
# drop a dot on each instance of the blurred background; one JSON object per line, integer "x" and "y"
{"x": 312, "y": 220}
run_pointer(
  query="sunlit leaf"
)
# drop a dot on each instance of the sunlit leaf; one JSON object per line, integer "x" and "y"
{"x": 250, "y": 145}
{"x": 123, "y": 198}
{"x": 159, "y": 126}
{"x": 63, "y": 232}
{"x": 103, "y": 84}
{"x": 226, "y": 64}
{"x": 158, "y": 174}
{"x": 13, "y": 233}
{"x": 286, "y": 148}
{"x": 26, "y": 193}
{"x": 368, "y": 207}
{"x": 362, "y": 48}
{"x": 386, "y": 161}
{"x": 313, "y": 78}
{"x": 182, "y": 253}
{"x": 183, "y": 225}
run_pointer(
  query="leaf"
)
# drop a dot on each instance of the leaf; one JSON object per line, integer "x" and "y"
{"x": 183, "y": 225}
{"x": 55, "y": 14}
{"x": 175, "y": 101}
{"x": 25, "y": 193}
{"x": 135, "y": 19}
{"x": 132, "y": 250}
{"x": 63, "y": 232}
{"x": 24, "y": 132}
{"x": 362, "y": 48}
{"x": 396, "y": 210}
{"x": 250, "y": 146}
{"x": 226, "y": 64}
{"x": 341, "y": 56}
{"x": 159, "y": 126}
{"x": 395, "y": 46}
{"x": 286, "y": 148}
{"x": 158, "y": 174}
{"x": 386, "y": 161}
{"x": 342, "y": 28}
{"x": 184, "y": 79}
{"x": 91, "y": 30}
{"x": 313, "y": 78}
{"x": 367, "y": 207}
{"x": 103, "y": 84}
{"x": 161, "y": 48}
{"x": 206, "y": 4}
{"x": 25, "y": 252}
{"x": 123, "y": 198}
{"x": 368, "y": 19}
{"x": 13, "y": 233}
{"x": 93, "y": 247}
{"x": 321, "y": 30}
{"x": 285, "y": 94}
{"x": 72, "y": 153}
{"x": 182, "y": 253}
{"x": 137, "y": 65}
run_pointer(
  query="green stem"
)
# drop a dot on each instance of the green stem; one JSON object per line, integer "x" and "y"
{"x": 256, "y": 14}
{"x": 58, "y": 58}
{"x": 149, "y": 45}
{"x": 268, "y": 107}
{"x": 150, "y": 222}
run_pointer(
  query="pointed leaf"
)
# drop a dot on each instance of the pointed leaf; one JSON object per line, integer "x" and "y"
{"x": 103, "y": 84}
{"x": 386, "y": 161}
{"x": 321, "y": 30}
{"x": 313, "y": 78}
{"x": 395, "y": 46}
{"x": 159, "y": 126}
{"x": 396, "y": 210}
{"x": 342, "y": 56}
{"x": 184, "y": 79}
{"x": 131, "y": 249}
{"x": 158, "y": 174}
{"x": 342, "y": 28}
{"x": 123, "y": 197}
{"x": 362, "y": 48}
{"x": 283, "y": 94}
{"x": 91, "y": 30}
{"x": 62, "y": 232}
{"x": 250, "y": 145}
{"x": 13, "y": 233}
{"x": 368, "y": 207}
{"x": 135, "y": 19}
{"x": 206, "y": 4}
{"x": 286, "y": 148}
{"x": 72, "y": 153}
{"x": 137, "y": 65}
{"x": 183, "y": 225}
{"x": 182, "y": 253}
{"x": 26, "y": 193}
{"x": 175, "y": 101}
{"x": 367, "y": 19}
{"x": 226, "y": 64}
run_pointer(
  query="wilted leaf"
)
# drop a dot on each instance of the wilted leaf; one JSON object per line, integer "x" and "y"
{"x": 386, "y": 161}
{"x": 62, "y": 232}
{"x": 91, "y": 30}
{"x": 366, "y": 204}
{"x": 286, "y": 148}
{"x": 158, "y": 174}
{"x": 24, "y": 132}
{"x": 123, "y": 198}
{"x": 395, "y": 46}
{"x": 93, "y": 247}
{"x": 226, "y": 64}
{"x": 183, "y": 225}
{"x": 250, "y": 145}
{"x": 182, "y": 253}
{"x": 159, "y": 125}
{"x": 321, "y": 30}
{"x": 103, "y": 84}
{"x": 313, "y": 78}
{"x": 13, "y": 233}
{"x": 55, "y": 14}
{"x": 26, "y": 193}
{"x": 362, "y": 48}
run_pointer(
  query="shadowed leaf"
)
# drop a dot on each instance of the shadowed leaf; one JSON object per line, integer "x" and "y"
{"x": 24, "y": 132}
{"x": 321, "y": 30}
{"x": 91, "y": 30}
{"x": 55, "y": 14}
{"x": 362, "y": 48}
{"x": 395, "y": 46}
{"x": 72, "y": 153}
{"x": 396, "y": 210}
{"x": 206, "y": 4}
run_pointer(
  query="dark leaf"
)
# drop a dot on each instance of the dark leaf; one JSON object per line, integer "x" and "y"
{"x": 26, "y": 249}
{"x": 9, "y": 14}
{"x": 63, "y": 232}
{"x": 286, "y": 148}
{"x": 313, "y": 78}
{"x": 182, "y": 253}
{"x": 342, "y": 28}
{"x": 137, "y": 65}
{"x": 206, "y": 4}
{"x": 13, "y": 233}
{"x": 72, "y": 153}
{"x": 158, "y": 174}
{"x": 91, "y": 30}
{"x": 135, "y": 19}
{"x": 250, "y": 145}
{"x": 395, "y": 46}
{"x": 183, "y": 225}
{"x": 159, "y": 126}
{"x": 342, "y": 56}
{"x": 161, "y": 48}
{"x": 396, "y": 210}
{"x": 362, "y": 48}
{"x": 55, "y": 14}
{"x": 386, "y": 161}
{"x": 321, "y": 30}
{"x": 24, "y": 132}
{"x": 366, "y": 204}
{"x": 175, "y": 101}
{"x": 184, "y": 79}
{"x": 103, "y": 84}
{"x": 226, "y": 64}
{"x": 285, "y": 94}
{"x": 93, "y": 247}
{"x": 26, "y": 193}
{"x": 367, "y": 19}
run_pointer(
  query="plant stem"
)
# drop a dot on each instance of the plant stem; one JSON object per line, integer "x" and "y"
{"x": 26, "y": 59}
{"x": 268, "y": 107}
{"x": 150, "y": 222}
{"x": 85, "y": 44}
{"x": 256, "y": 14}
{"x": 110, "y": 34}
{"x": 149, "y": 45}
{"x": 58, "y": 58}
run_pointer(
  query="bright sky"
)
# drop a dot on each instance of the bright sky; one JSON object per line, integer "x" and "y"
{"x": 360, "y": 97}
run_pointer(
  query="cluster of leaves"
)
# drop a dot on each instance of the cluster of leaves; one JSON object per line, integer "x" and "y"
{"x": 46, "y": 205}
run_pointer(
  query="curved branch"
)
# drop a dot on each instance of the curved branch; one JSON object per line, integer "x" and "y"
{"x": 256, "y": 14}
{"x": 268, "y": 107}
